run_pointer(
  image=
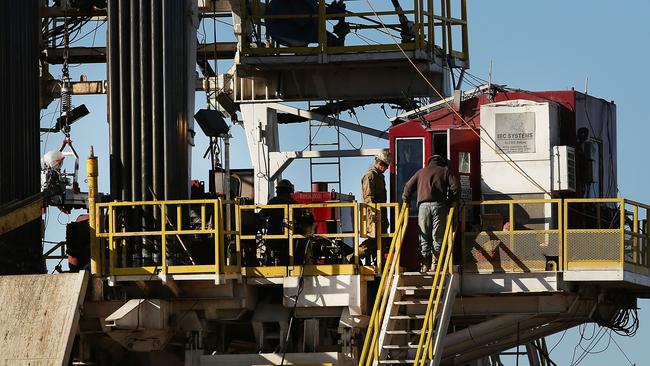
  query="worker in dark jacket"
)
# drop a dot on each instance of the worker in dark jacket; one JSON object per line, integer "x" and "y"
{"x": 436, "y": 188}
{"x": 278, "y": 248}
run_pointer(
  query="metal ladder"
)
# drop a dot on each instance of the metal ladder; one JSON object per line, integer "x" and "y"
{"x": 319, "y": 140}
{"x": 410, "y": 321}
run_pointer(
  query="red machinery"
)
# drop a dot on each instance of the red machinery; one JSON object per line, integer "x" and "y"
{"x": 327, "y": 220}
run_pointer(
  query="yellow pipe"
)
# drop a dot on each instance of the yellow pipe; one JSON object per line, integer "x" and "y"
{"x": 91, "y": 168}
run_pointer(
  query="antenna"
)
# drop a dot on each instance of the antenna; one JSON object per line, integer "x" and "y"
{"x": 490, "y": 76}
{"x": 587, "y": 84}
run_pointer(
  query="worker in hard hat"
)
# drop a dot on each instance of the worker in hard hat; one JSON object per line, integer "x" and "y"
{"x": 437, "y": 188}
{"x": 373, "y": 190}
{"x": 278, "y": 249}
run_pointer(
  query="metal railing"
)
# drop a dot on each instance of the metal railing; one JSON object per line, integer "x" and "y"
{"x": 606, "y": 234}
{"x": 371, "y": 350}
{"x": 444, "y": 267}
{"x": 192, "y": 237}
{"x": 127, "y": 249}
{"x": 496, "y": 236}
{"x": 429, "y": 26}
{"x": 512, "y": 236}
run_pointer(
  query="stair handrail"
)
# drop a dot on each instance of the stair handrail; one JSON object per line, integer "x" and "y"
{"x": 443, "y": 267}
{"x": 370, "y": 351}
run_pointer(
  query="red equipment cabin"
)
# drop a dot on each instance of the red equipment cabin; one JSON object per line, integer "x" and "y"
{"x": 576, "y": 120}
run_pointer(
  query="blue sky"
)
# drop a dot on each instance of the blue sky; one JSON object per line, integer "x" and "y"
{"x": 535, "y": 45}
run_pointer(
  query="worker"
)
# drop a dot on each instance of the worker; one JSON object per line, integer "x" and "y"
{"x": 278, "y": 249}
{"x": 436, "y": 188}
{"x": 373, "y": 190}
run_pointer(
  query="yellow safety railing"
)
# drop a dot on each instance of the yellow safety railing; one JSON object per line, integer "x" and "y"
{"x": 378, "y": 211}
{"x": 424, "y": 25}
{"x": 443, "y": 268}
{"x": 370, "y": 352}
{"x": 246, "y": 240}
{"x": 119, "y": 229}
{"x": 607, "y": 233}
{"x": 497, "y": 236}
{"x": 122, "y": 238}
{"x": 512, "y": 235}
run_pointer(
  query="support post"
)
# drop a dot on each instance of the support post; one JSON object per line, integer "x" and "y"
{"x": 91, "y": 168}
{"x": 260, "y": 125}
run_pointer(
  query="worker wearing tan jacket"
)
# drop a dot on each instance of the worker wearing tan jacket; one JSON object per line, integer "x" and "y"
{"x": 373, "y": 190}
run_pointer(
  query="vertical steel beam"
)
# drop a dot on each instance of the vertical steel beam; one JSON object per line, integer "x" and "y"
{"x": 113, "y": 66}
{"x": 125, "y": 100}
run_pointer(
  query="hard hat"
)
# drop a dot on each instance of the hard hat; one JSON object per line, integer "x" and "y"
{"x": 53, "y": 159}
{"x": 284, "y": 183}
{"x": 438, "y": 158}
{"x": 383, "y": 156}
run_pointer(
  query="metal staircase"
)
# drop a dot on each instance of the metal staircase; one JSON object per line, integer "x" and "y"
{"x": 412, "y": 310}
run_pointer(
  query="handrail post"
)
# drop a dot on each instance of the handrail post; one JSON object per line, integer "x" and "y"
{"x": 565, "y": 242}
{"x": 322, "y": 24}
{"x": 356, "y": 233}
{"x": 443, "y": 25}
{"x": 450, "y": 39}
{"x": 290, "y": 231}
{"x": 430, "y": 31}
{"x": 217, "y": 236}
{"x": 179, "y": 218}
{"x": 622, "y": 231}
{"x": 112, "y": 251}
{"x": 465, "y": 31}
{"x": 238, "y": 233}
{"x": 560, "y": 225}
{"x": 378, "y": 234}
{"x": 163, "y": 232}
{"x": 635, "y": 239}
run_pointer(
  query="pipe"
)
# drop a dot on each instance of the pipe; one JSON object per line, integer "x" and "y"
{"x": 91, "y": 169}
{"x": 168, "y": 98}
{"x": 125, "y": 101}
{"x": 145, "y": 99}
{"x": 113, "y": 66}
{"x": 146, "y": 124}
{"x": 157, "y": 100}
{"x": 474, "y": 335}
{"x": 136, "y": 121}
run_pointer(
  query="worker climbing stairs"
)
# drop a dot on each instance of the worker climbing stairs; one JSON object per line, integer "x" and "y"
{"x": 412, "y": 310}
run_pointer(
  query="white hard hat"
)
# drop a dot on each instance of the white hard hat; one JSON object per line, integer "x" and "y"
{"x": 53, "y": 159}
{"x": 383, "y": 156}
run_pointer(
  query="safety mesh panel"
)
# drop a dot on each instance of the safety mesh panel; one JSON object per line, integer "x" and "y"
{"x": 593, "y": 249}
{"x": 506, "y": 252}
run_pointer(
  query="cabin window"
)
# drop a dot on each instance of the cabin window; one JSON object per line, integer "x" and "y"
{"x": 463, "y": 162}
{"x": 409, "y": 159}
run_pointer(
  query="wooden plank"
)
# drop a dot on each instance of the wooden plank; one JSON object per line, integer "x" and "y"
{"x": 38, "y": 317}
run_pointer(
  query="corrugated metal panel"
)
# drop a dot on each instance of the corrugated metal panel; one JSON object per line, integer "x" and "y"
{"x": 20, "y": 250}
